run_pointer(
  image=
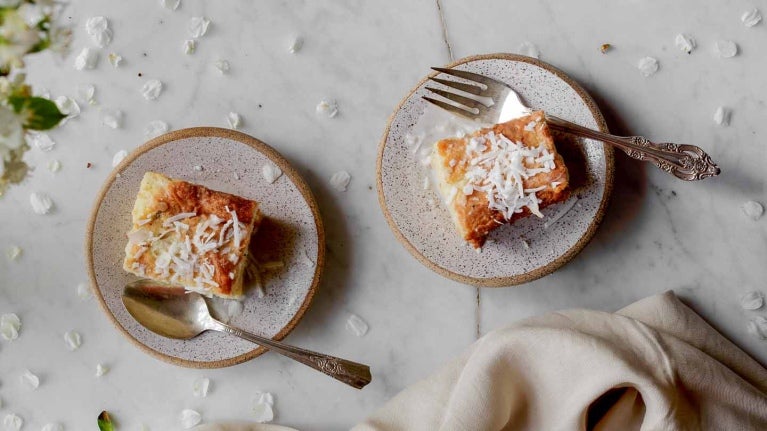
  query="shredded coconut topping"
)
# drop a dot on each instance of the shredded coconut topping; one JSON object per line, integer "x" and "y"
{"x": 498, "y": 167}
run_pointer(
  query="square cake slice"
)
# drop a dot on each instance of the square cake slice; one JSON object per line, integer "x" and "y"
{"x": 499, "y": 174}
{"x": 187, "y": 235}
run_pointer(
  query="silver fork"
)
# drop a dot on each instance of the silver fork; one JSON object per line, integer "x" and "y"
{"x": 492, "y": 101}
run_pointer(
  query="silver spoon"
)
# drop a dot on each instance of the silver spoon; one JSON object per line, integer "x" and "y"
{"x": 176, "y": 313}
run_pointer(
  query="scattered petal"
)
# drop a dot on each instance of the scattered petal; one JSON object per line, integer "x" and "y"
{"x": 685, "y": 43}
{"x": 222, "y": 66}
{"x": 13, "y": 252}
{"x": 30, "y": 379}
{"x": 118, "y": 157}
{"x": 83, "y": 291}
{"x": 101, "y": 369}
{"x": 53, "y": 427}
{"x": 170, "y": 4}
{"x": 41, "y": 203}
{"x": 525, "y": 244}
{"x": 54, "y": 165}
{"x": 41, "y": 141}
{"x": 647, "y": 66}
{"x": 528, "y": 49}
{"x": 752, "y": 300}
{"x": 340, "y": 180}
{"x": 753, "y": 210}
{"x": 757, "y": 327}
{"x": 271, "y": 173}
{"x": 112, "y": 118}
{"x": 155, "y": 128}
{"x": 328, "y": 108}
{"x": 98, "y": 29}
{"x": 722, "y": 116}
{"x": 68, "y": 107}
{"x": 356, "y": 325}
{"x": 234, "y": 120}
{"x": 197, "y": 168}
{"x": 189, "y": 418}
{"x": 725, "y": 48}
{"x": 12, "y": 422}
{"x": 264, "y": 407}
{"x": 86, "y": 93}
{"x": 198, "y": 26}
{"x": 151, "y": 89}
{"x": 200, "y": 386}
{"x": 10, "y": 325}
{"x": 86, "y": 59}
{"x": 72, "y": 340}
{"x": 190, "y": 46}
{"x": 296, "y": 45}
{"x": 751, "y": 18}
{"x": 115, "y": 59}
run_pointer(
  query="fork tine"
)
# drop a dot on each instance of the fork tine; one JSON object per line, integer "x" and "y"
{"x": 469, "y": 76}
{"x": 450, "y": 108}
{"x": 468, "y": 88}
{"x": 465, "y": 101}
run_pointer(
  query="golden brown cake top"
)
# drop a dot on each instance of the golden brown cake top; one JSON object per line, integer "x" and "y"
{"x": 500, "y": 174}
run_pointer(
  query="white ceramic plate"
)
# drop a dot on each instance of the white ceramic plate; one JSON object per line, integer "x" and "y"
{"x": 292, "y": 233}
{"x": 426, "y": 230}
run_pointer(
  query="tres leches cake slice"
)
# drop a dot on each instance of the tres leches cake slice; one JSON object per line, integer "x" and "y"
{"x": 499, "y": 174}
{"x": 185, "y": 234}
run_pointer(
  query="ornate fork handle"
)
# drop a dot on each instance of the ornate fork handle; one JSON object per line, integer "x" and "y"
{"x": 687, "y": 162}
{"x": 351, "y": 373}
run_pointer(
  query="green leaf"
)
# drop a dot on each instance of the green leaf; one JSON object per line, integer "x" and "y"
{"x": 38, "y": 113}
{"x": 105, "y": 422}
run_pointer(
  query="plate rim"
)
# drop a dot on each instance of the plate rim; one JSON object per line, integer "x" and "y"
{"x": 535, "y": 273}
{"x": 287, "y": 169}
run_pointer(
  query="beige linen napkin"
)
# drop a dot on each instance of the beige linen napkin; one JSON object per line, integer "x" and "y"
{"x": 654, "y": 365}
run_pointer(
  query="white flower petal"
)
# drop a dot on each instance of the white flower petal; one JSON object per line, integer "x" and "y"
{"x": 753, "y": 210}
{"x": 72, "y": 340}
{"x": 200, "y": 386}
{"x": 234, "y": 120}
{"x": 189, "y": 418}
{"x": 54, "y": 165}
{"x": 68, "y": 107}
{"x": 53, "y": 427}
{"x": 271, "y": 172}
{"x": 13, "y": 252}
{"x": 757, "y": 327}
{"x": 170, "y": 4}
{"x": 222, "y": 66}
{"x": 356, "y": 325}
{"x": 41, "y": 203}
{"x": 118, "y": 157}
{"x": 155, "y": 128}
{"x": 198, "y": 26}
{"x": 328, "y": 108}
{"x": 86, "y": 93}
{"x": 112, "y": 118}
{"x": 83, "y": 291}
{"x": 101, "y": 370}
{"x": 190, "y": 46}
{"x": 725, "y": 48}
{"x": 296, "y": 45}
{"x": 41, "y": 141}
{"x": 30, "y": 379}
{"x": 685, "y": 43}
{"x": 12, "y": 422}
{"x": 115, "y": 59}
{"x": 751, "y": 18}
{"x": 722, "y": 116}
{"x": 647, "y": 66}
{"x": 86, "y": 59}
{"x": 151, "y": 89}
{"x": 528, "y": 49}
{"x": 234, "y": 309}
{"x": 98, "y": 29}
{"x": 752, "y": 300}
{"x": 10, "y": 325}
{"x": 340, "y": 180}
{"x": 263, "y": 409}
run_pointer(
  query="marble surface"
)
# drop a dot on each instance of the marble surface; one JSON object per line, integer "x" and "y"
{"x": 658, "y": 234}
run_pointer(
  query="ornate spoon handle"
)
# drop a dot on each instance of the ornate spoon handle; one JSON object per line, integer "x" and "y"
{"x": 351, "y": 373}
{"x": 687, "y": 162}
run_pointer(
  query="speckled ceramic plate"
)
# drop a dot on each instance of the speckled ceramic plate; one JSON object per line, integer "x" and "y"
{"x": 291, "y": 232}
{"x": 426, "y": 230}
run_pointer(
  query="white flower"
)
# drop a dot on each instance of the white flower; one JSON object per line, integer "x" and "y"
{"x": 19, "y": 38}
